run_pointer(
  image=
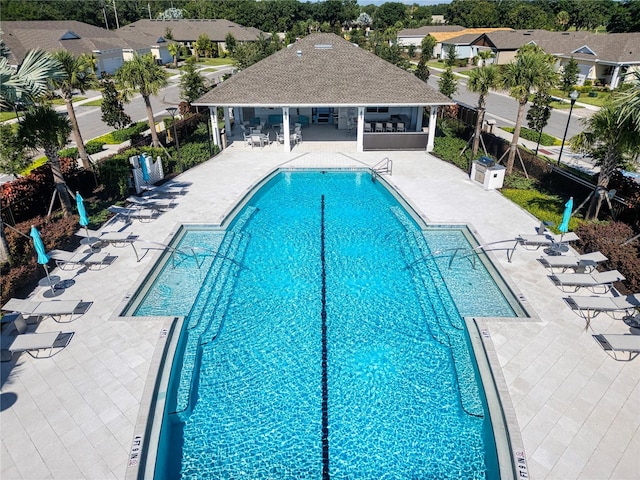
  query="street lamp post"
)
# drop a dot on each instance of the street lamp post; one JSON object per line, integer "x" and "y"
{"x": 172, "y": 111}
{"x": 573, "y": 96}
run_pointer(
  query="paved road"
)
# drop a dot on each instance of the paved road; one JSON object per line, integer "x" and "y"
{"x": 504, "y": 109}
{"x": 91, "y": 125}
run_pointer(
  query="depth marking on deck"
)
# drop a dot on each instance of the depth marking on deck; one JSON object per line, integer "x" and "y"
{"x": 325, "y": 388}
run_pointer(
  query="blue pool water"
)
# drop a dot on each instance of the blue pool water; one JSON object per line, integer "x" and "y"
{"x": 321, "y": 341}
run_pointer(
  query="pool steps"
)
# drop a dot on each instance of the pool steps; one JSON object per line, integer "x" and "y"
{"x": 435, "y": 299}
{"x": 207, "y": 313}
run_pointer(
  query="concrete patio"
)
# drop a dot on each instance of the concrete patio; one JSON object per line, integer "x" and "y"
{"x": 72, "y": 416}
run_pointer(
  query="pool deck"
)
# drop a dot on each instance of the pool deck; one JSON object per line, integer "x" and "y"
{"x": 72, "y": 416}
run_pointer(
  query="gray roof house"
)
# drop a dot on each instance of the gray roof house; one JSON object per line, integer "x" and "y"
{"x": 602, "y": 58}
{"x": 187, "y": 31}
{"x": 109, "y": 48}
{"x": 325, "y": 81}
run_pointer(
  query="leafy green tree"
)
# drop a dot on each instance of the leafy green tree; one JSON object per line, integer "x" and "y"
{"x": 364, "y": 20}
{"x": 79, "y": 74}
{"x": 481, "y": 80}
{"x": 112, "y": 108}
{"x": 13, "y": 158}
{"x": 388, "y": 14}
{"x": 539, "y": 114}
{"x": 525, "y": 16}
{"x": 448, "y": 85}
{"x": 451, "y": 57}
{"x": 393, "y": 54}
{"x": 230, "y": 43}
{"x": 422, "y": 71}
{"x": 30, "y": 81}
{"x": 483, "y": 56}
{"x": 625, "y": 17}
{"x": 562, "y": 20}
{"x": 609, "y": 136}
{"x": 531, "y": 71}
{"x": 202, "y": 46}
{"x": 569, "y": 76}
{"x": 43, "y": 128}
{"x": 427, "y": 45}
{"x": 356, "y": 36}
{"x": 191, "y": 83}
{"x": 143, "y": 75}
{"x": 174, "y": 51}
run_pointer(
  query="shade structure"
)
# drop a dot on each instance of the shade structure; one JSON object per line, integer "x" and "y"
{"x": 43, "y": 258}
{"x": 142, "y": 160}
{"x": 566, "y": 216}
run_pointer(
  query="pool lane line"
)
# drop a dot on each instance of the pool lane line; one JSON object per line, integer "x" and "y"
{"x": 325, "y": 388}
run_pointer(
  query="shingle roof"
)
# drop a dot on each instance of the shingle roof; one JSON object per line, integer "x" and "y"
{"x": 465, "y": 39}
{"x": 429, "y": 29}
{"x": 189, "y": 30}
{"x": 612, "y": 47}
{"x": 22, "y": 36}
{"x": 323, "y": 69}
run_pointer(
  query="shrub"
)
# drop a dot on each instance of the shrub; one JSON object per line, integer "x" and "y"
{"x": 449, "y": 148}
{"x": 130, "y": 132}
{"x": 519, "y": 182}
{"x": 532, "y": 136}
{"x": 94, "y": 146}
{"x": 609, "y": 238}
{"x": 71, "y": 152}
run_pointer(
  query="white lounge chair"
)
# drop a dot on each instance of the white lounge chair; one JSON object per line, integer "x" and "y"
{"x": 580, "y": 264}
{"x": 55, "y": 309}
{"x": 619, "y": 343}
{"x": 151, "y": 202}
{"x": 535, "y": 241}
{"x": 34, "y": 344}
{"x": 591, "y": 281}
{"x": 141, "y": 214}
{"x": 69, "y": 260}
{"x": 590, "y": 307}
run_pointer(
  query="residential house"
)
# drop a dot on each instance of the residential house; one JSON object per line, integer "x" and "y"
{"x": 602, "y": 58}
{"x": 442, "y": 33}
{"x": 187, "y": 31}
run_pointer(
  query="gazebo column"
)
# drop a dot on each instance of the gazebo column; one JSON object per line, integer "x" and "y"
{"x": 285, "y": 129}
{"x": 215, "y": 131}
{"x": 360, "y": 130}
{"x": 419, "y": 115}
{"x": 615, "y": 78}
{"x": 227, "y": 123}
{"x": 238, "y": 115}
{"x": 432, "y": 127}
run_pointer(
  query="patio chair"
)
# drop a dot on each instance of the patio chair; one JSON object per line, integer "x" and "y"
{"x": 580, "y": 264}
{"x": 154, "y": 203}
{"x": 70, "y": 260}
{"x": 34, "y": 344}
{"x": 141, "y": 214}
{"x": 247, "y": 138}
{"x": 257, "y": 139}
{"x": 590, "y": 307}
{"x": 614, "y": 344}
{"x": 379, "y": 127}
{"x": 388, "y": 127}
{"x": 591, "y": 281}
{"x": 163, "y": 192}
{"x": 535, "y": 241}
{"x": 55, "y": 309}
{"x": 367, "y": 127}
{"x": 118, "y": 239}
{"x": 400, "y": 127}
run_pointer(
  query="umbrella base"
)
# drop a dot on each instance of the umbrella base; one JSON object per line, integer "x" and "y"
{"x": 49, "y": 281}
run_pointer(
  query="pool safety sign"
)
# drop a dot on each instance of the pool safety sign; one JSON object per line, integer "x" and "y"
{"x": 136, "y": 447}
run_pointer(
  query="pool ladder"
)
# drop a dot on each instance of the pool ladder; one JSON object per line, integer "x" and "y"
{"x": 383, "y": 167}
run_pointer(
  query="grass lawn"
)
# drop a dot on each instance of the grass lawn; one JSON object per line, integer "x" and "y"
{"x": 215, "y": 62}
{"x": 542, "y": 205}
{"x": 60, "y": 101}
{"x": 93, "y": 103}
{"x": 37, "y": 162}
{"x": 211, "y": 69}
{"x": 108, "y": 139}
{"x": 4, "y": 116}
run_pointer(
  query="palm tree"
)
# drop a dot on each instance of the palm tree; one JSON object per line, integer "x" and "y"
{"x": 483, "y": 56}
{"x": 143, "y": 75}
{"x": 532, "y": 71}
{"x": 42, "y": 127}
{"x": 174, "y": 51}
{"x": 629, "y": 101}
{"x": 30, "y": 80}
{"x": 27, "y": 83}
{"x": 481, "y": 80}
{"x": 79, "y": 75}
{"x": 609, "y": 135}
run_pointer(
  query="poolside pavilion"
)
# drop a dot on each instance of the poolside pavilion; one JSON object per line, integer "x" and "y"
{"x": 332, "y": 86}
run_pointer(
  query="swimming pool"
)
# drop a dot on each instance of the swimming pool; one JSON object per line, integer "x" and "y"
{"x": 323, "y": 338}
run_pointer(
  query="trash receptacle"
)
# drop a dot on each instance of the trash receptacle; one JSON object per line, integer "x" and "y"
{"x": 488, "y": 173}
{"x": 223, "y": 138}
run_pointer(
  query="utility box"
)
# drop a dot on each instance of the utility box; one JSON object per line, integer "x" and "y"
{"x": 488, "y": 173}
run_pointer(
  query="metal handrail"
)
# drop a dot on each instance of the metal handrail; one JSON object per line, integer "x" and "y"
{"x": 383, "y": 167}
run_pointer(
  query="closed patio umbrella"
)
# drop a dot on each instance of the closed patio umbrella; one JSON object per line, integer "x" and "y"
{"x": 84, "y": 219}
{"x": 142, "y": 160}
{"x": 43, "y": 258}
{"x": 566, "y": 216}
